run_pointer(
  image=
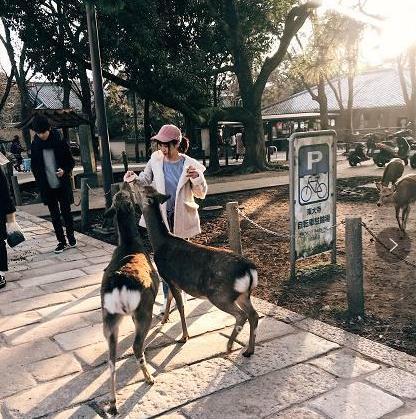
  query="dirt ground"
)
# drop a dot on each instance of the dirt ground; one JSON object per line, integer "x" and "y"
{"x": 320, "y": 289}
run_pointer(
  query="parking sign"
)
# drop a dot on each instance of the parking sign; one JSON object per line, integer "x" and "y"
{"x": 312, "y": 193}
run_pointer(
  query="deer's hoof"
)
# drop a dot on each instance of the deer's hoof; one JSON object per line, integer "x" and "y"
{"x": 183, "y": 339}
{"x": 112, "y": 410}
{"x": 150, "y": 381}
{"x": 248, "y": 353}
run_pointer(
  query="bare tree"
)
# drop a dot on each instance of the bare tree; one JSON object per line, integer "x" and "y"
{"x": 20, "y": 70}
{"x": 407, "y": 67}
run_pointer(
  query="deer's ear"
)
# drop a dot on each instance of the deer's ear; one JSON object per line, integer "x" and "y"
{"x": 111, "y": 212}
{"x": 162, "y": 198}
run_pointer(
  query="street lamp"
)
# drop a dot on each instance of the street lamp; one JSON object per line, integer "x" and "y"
{"x": 97, "y": 78}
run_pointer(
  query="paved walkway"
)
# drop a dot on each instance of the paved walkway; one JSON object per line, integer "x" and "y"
{"x": 53, "y": 354}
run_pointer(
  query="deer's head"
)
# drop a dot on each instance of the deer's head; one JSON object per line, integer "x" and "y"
{"x": 386, "y": 194}
{"x": 124, "y": 202}
{"x": 146, "y": 195}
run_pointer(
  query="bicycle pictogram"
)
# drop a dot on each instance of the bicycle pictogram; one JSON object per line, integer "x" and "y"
{"x": 313, "y": 187}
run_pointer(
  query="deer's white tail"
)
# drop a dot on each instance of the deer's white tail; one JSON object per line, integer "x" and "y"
{"x": 122, "y": 301}
{"x": 247, "y": 282}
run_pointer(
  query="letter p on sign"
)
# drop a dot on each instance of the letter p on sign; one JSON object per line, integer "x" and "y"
{"x": 314, "y": 157}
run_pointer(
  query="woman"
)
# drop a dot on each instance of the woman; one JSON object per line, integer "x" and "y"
{"x": 180, "y": 176}
{"x": 7, "y": 218}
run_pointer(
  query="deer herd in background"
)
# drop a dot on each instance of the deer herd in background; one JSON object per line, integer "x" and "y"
{"x": 130, "y": 282}
{"x": 401, "y": 193}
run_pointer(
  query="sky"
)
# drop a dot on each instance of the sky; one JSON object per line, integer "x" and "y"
{"x": 384, "y": 41}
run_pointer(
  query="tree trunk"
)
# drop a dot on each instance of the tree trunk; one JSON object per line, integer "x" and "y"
{"x": 350, "y": 104}
{"x": 323, "y": 102}
{"x": 86, "y": 100}
{"x": 412, "y": 102}
{"x": 214, "y": 162}
{"x": 255, "y": 155}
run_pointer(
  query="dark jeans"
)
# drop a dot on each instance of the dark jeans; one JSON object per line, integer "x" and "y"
{"x": 59, "y": 203}
{"x": 3, "y": 256}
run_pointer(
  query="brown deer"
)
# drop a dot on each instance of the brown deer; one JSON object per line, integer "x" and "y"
{"x": 129, "y": 287}
{"x": 392, "y": 172}
{"x": 226, "y": 279}
{"x": 401, "y": 195}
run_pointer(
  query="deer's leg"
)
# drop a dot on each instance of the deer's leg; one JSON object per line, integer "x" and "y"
{"x": 230, "y": 307}
{"x": 244, "y": 302}
{"x": 142, "y": 319}
{"x": 165, "y": 317}
{"x": 398, "y": 217}
{"x": 405, "y": 216}
{"x": 111, "y": 324}
{"x": 177, "y": 295}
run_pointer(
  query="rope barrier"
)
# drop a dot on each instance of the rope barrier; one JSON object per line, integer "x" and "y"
{"x": 96, "y": 193}
{"x": 385, "y": 247}
{"x": 274, "y": 233}
{"x": 288, "y": 236}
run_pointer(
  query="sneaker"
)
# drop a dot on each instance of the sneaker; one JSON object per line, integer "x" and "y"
{"x": 72, "y": 243}
{"x": 2, "y": 281}
{"x": 60, "y": 248}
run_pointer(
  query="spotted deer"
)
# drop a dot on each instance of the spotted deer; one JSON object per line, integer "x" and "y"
{"x": 226, "y": 279}
{"x": 129, "y": 287}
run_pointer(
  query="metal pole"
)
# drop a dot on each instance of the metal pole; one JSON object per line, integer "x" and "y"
{"x": 354, "y": 265}
{"x": 292, "y": 169}
{"x": 99, "y": 101}
{"x": 136, "y": 128}
{"x": 125, "y": 161}
{"x": 334, "y": 200}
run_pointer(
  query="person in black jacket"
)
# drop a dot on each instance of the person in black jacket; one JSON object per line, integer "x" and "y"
{"x": 7, "y": 215}
{"x": 52, "y": 163}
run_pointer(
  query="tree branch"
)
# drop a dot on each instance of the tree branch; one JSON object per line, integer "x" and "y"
{"x": 403, "y": 83}
{"x": 336, "y": 94}
{"x": 294, "y": 21}
{"x": 7, "y": 90}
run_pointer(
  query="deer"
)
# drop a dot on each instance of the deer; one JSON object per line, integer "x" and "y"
{"x": 392, "y": 172}
{"x": 401, "y": 195}
{"x": 225, "y": 278}
{"x": 129, "y": 287}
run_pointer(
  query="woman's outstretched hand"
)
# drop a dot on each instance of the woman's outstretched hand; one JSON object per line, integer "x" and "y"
{"x": 191, "y": 172}
{"x": 129, "y": 176}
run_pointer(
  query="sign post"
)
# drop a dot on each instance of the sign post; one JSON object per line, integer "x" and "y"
{"x": 312, "y": 184}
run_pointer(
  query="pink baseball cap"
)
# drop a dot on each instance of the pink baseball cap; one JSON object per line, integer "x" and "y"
{"x": 168, "y": 133}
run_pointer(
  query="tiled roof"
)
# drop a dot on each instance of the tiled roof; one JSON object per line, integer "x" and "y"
{"x": 50, "y": 96}
{"x": 374, "y": 89}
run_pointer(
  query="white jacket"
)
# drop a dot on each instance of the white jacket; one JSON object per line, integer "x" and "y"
{"x": 186, "y": 218}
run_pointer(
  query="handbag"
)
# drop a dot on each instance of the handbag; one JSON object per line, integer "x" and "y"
{"x": 14, "y": 234}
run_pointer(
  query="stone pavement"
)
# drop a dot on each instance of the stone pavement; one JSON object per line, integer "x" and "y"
{"x": 53, "y": 354}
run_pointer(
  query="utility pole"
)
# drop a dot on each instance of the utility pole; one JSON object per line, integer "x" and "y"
{"x": 136, "y": 128}
{"x": 99, "y": 101}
